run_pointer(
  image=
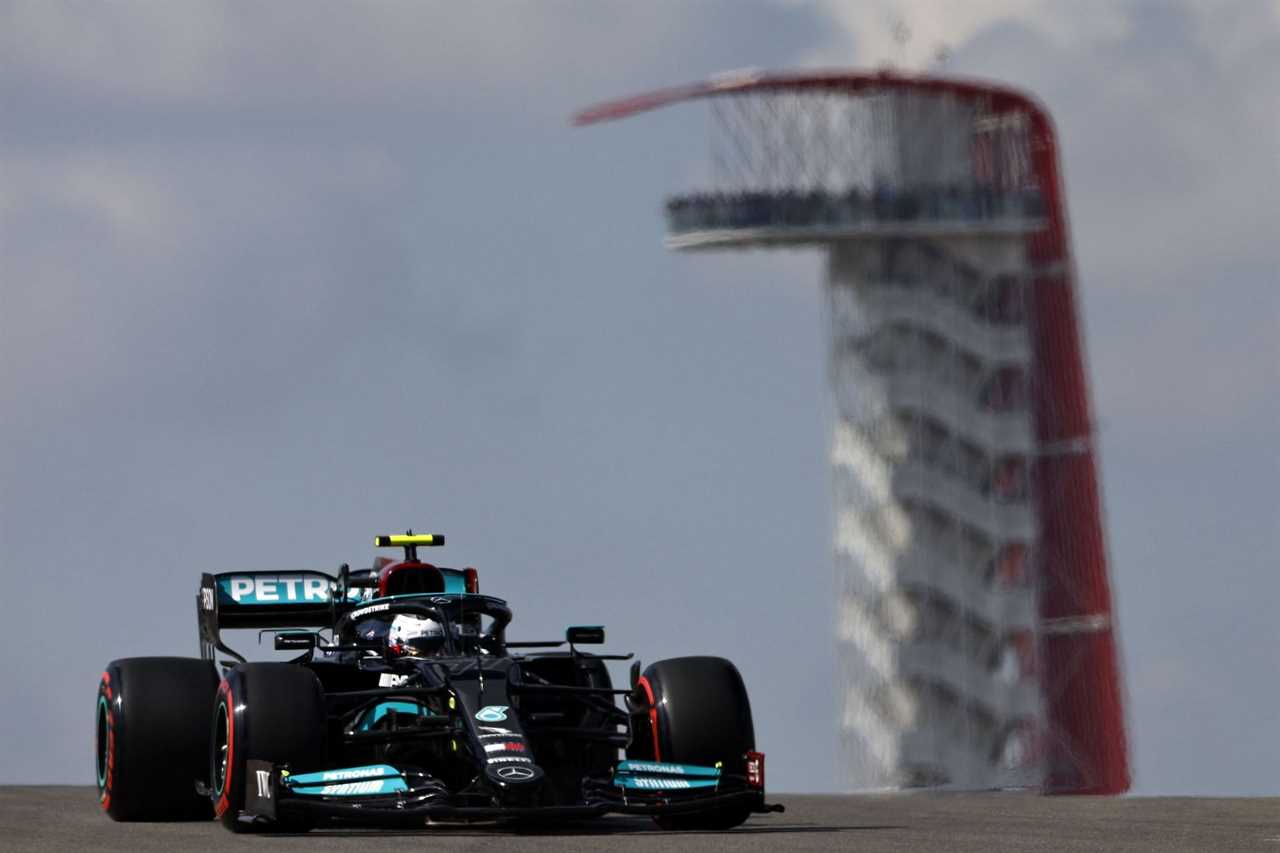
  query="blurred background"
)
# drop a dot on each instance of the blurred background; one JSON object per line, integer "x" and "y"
{"x": 275, "y": 278}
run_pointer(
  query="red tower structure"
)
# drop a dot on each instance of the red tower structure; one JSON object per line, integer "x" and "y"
{"x": 1006, "y": 146}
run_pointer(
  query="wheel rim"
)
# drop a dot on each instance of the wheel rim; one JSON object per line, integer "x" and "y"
{"x": 103, "y": 739}
{"x": 221, "y": 753}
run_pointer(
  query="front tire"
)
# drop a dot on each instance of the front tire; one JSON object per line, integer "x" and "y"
{"x": 700, "y": 714}
{"x": 152, "y": 739}
{"x": 268, "y": 712}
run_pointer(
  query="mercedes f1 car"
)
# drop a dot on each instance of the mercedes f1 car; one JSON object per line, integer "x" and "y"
{"x": 405, "y": 703}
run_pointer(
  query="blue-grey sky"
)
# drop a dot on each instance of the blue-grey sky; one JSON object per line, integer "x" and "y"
{"x": 277, "y": 277}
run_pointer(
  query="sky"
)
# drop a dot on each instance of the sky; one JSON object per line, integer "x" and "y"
{"x": 275, "y": 278}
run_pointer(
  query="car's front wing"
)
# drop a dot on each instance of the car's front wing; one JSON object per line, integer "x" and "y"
{"x": 384, "y": 795}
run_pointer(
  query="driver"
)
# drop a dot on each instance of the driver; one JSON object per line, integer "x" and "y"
{"x": 415, "y": 637}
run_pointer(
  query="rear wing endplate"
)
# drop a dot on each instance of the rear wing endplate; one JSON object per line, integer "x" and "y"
{"x": 272, "y": 599}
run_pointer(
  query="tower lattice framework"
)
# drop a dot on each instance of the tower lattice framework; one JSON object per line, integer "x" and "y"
{"x": 974, "y": 609}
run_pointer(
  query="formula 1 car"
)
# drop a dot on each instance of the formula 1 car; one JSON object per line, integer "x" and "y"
{"x": 407, "y": 703}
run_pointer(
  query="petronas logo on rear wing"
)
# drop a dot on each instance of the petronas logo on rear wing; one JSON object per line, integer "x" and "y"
{"x": 263, "y": 600}
{"x": 252, "y": 588}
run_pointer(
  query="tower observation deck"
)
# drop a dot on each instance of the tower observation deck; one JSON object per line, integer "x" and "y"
{"x": 974, "y": 608}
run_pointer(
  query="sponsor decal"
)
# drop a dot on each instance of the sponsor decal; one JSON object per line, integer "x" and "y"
{"x": 440, "y": 599}
{"x": 637, "y": 767}
{"x": 494, "y": 731}
{"x": 372, "y": 608}
{"x": 516, "y": 773}
{"x": 264, "y": 784}
{"x": 206, "y": 598}
{"x": 355, "y": 773}
{"x": 664, "y": 776}
{"x": 371, "y": 787}
{"x": 656, "y": 783}
{"x": 508, "y": 746}
{"x": 273, "y": 589}
{"x": 755, "y": 769}
{"x": 492, "y": 713}
{"x": 643, "y": 782}
{"x": 501, "y": 759}
{"x": 666, "y": 769}
{"x": 349, "y": 781}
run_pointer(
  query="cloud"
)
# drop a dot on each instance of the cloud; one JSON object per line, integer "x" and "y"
{"x": 172, "y": 177}
{"x": 292, "y": 54}
{"x": 911, "y": 33}
{"x": 170, "y": 51}
{"x": 126, "y": 270}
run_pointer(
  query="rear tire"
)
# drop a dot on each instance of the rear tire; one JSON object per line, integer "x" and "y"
{"x": 702, "y": 716}
{"x": 152, "y": 738}
{"x": 267, "y": 712}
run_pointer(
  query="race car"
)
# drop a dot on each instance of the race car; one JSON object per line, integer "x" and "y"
{"x": 406, "y": 703}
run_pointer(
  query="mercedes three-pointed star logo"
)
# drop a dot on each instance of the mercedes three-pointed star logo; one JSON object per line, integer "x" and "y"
{"x": 515, "y": 773}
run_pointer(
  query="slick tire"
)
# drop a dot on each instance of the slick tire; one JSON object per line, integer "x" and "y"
{"x": 700, "y": 714}
{"x": 267, "y": 712}
{"x": 151, "y": 738}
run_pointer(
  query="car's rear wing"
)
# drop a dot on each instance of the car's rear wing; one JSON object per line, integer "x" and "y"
{"x": 264, "y": 600}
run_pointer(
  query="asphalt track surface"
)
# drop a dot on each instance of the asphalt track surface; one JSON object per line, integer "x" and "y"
{"x": 64, "y": 818}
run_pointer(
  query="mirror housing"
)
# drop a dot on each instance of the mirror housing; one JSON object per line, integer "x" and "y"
{"x": 585, "y": 635}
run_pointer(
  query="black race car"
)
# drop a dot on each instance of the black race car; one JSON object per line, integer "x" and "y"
{"x": 406, "y": 702}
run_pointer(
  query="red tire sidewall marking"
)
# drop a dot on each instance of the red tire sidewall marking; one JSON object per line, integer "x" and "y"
{"x": 643, "y": 683}
{"x": 224, "y": 694}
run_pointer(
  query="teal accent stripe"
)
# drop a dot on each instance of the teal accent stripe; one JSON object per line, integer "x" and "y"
{"x": 349, "y": 781}
{"x": 662, "y": 768}
{"x": 370, "y": 718}
{"x": 662, "y": 783}
{"x": 103, "y": 755}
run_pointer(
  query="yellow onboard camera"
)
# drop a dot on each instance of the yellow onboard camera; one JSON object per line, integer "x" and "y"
{"x": 410, "y": 542}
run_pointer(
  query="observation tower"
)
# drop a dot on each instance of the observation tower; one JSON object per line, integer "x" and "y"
{"x": 974, "y": 608}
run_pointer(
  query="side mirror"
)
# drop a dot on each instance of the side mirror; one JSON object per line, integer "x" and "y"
{"x": 300, "y": 641}
{"x": 585, "y": 635}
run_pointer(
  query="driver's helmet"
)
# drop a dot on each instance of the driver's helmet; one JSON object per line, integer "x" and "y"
{"x": 415, "y": 636}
